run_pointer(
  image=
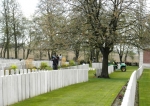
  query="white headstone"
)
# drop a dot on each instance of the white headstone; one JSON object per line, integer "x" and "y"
{"x": 19, "y": 87}
{"x": 23, "y": 85}
{"x": 1, "y": 73}
{"x": 1, "y": 92}
{"x": 6, "y": 72}
{"x": 27, "y": 86}
{"x": 5, "y": 90}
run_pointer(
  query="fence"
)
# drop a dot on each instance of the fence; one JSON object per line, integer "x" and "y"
{"x": 129, "y": 97}
{"x": 18, "y": 87}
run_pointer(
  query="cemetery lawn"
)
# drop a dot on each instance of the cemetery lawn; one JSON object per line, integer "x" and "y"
{"x": 95, "y": 92}
{"x": 144, "y": 91}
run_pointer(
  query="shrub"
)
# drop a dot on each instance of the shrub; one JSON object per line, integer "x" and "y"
{"x": 13, "y": 66}
{"x": 48, "y": 68}
{"x": 71, "y": 63}
{"x": 64, "y": 65}
{"x": 43, "y": 65}
{"x": 82, "y": 61}
{"x": 34, "y": 67}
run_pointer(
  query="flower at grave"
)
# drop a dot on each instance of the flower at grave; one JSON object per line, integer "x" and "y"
{"x": 13, "y": 66}
{"x": 64, "y": 65}
{"x": 72, "y": 63}
{"x": 43, "y": 65}
{"x": 120, "y": 96}
{"x": 33, "y": 69}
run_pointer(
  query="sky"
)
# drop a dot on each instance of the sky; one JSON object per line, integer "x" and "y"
{"x": 28, "y": 6}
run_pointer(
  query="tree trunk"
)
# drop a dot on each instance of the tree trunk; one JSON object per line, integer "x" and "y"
{"x": 6, "y": 13}
{"x": 1, "y": 52}
{"x": 16, "y": 46}
{"x": 15, "y": 35}
{"x": 8, "y": 53}
{"x": 76, "y": 55}
{"x": 120, "y": 56}
{"x": 40, "y": 55}
{"x": 126, "y": 54}
{"x": 49, "y": 56}
{"x": 23, "y": 53}
{"x": 97, "y": 55}
{"x": 4, "y": 53}
{"x": 105, "y": 53}
{"x": 91, "y": 55}
{"x": 28, "y": 52}
{"x": 125, "y": 59}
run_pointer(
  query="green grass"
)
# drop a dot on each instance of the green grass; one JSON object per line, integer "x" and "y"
{"x": 95, "y": 92}
{"x": 144, "y": 88}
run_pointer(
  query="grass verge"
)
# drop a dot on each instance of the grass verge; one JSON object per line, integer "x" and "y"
{"x": 95, "y": 92}
{"x": 144, "y": 85}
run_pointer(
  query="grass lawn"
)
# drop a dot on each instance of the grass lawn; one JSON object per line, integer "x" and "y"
{"x": 144, "y": 88}
{"x": 95, "y": 92}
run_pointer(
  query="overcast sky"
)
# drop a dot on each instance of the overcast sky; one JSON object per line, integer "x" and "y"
{"x": 28, "y": 6}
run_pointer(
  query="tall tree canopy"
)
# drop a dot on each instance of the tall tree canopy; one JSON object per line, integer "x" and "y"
{"x": 107, "y": 20}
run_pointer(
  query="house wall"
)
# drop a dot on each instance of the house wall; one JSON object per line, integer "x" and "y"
{"x": 146, "y": 57}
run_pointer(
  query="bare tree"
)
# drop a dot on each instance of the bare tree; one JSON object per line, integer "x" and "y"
{"x": 16, "y": 16}
{"x": 49, "y": 19}
{"x": 11, "y": 15}
{"x": 6, "y": 27}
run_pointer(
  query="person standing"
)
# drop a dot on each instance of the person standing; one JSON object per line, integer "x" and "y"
{"x": 55, "y": 62}
{"x": 60, "y": 57}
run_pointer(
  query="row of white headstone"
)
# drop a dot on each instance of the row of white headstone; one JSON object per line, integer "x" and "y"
{"x": 5, "y": 64}
{"x": 18, "y": 87}
{"x": 21, "y": 71}
{"x": 129, "y": 96}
